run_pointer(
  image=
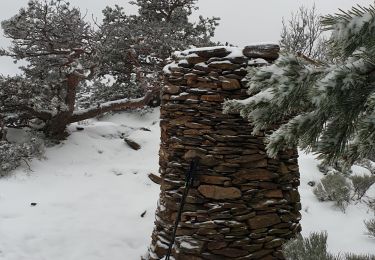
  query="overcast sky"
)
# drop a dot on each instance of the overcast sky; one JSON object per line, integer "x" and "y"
{"x": 242, "y": 21}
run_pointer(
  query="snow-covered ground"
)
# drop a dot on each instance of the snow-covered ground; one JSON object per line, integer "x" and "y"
{"x": 92, "y": 189}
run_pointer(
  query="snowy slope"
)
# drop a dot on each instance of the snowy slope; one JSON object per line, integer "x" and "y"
{"x": 92, "y": 189}
{"x": 346, "y": 231}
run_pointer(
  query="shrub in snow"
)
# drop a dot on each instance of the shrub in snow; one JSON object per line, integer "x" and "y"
{"x": 12, "y": 154}
{"x": 334, "y": 187}
{"x": 359, "y": 257}
{"x": 337, "y": 166}
{"x": 370, "y": 225}
{"x": 361, "y": 184}
{"x": 315, "y": 248}
{"x": 312, "y": 248}
{"x": 367, "y": 164}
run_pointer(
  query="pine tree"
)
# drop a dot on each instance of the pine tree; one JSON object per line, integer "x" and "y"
{"x": 134, "y": 48}
{"x": 324, "y": 108}
{"x": 66, "y": 58}
{"x": 56, "y": 44}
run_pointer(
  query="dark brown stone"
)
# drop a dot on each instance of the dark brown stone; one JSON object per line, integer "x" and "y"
{"x": 133, "y": 144}
{"x": 215, "y": 245}
{"x": 255, "y": 174}
{"x": 263, "y": 221}
{"x": 171, "y": 89}
{"x": 212, "y": 52}
{"x": 230, "y": 252}
{"x": 213, "y": 179}
{"x": 219, "y": 193}
{"x": 267, "y": 51}
{"x": 223, "y": 65}
{"x": 230, "y": 84}
{"x": 212, "y": 98}
{"x": 195, "y": 59}
{"x": 274, "y": 194}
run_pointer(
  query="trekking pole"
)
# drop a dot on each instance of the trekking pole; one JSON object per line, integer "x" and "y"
{"x": 189, "y": 179}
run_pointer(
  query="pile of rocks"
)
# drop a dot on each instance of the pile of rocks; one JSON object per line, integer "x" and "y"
{"x": 243, "y": 205}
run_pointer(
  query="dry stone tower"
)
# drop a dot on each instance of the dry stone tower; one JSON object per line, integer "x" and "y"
{"x": 242, "y": 204}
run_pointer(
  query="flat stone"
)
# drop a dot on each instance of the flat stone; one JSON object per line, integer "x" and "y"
{"x": 212, "y": 98}
{"x": 206, "y": 85}
{"x": 247, "y": 158}
{"x": 274, "y": 243}
{"x": 195, "y": 59}
{"x": 274, "y": 194}
{"x": 209, "y": 160}
{"x": 191, "y": 154}
{"x": 258, "y": 255}
{"x": 263, "y": 221}
{"x": 252, "y": 247}
{"x": 196, "y": 125}
{"x": 171, "y": 89}
{"x": 265, "y": 51}
{"x": 213, "y": 179}
{"x": 230, "y": 84}
{"x": 134, "y": 145}
{"x": 219, "y": 193}
{"x": 219, "y": 52}
{"x": 215, "y": 245}
{"x": 223, "y": 65}
{"x": 230, "y": 252}
{"x": 255, "y": 174}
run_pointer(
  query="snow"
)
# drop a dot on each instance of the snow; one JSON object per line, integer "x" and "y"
{"x": 346, "y": 231}
{"x": 262, "y": 96}
{"x": 91, "y": 190}
{"x": 258, "y": 61}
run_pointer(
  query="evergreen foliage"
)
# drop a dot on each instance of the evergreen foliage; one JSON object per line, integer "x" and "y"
{"x": 314, "y": 247}
{"x": 67, "y": 60}
{"x": 137, "y": 46}
{"x": 324, "y": 108}
{"x": 57, "y": 45}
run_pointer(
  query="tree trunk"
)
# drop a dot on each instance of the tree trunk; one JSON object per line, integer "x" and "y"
{"x": 56, "y": 126}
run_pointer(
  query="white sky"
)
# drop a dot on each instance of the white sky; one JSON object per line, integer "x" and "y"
{"x": 242, "y": 21}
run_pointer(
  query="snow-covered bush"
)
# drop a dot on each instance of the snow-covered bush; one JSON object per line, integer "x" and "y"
{"x": 361, "y": 184}
{"x": 312, "y": 248}
{"x": 315, "y": 248}
{"x": 337, "y": 166}
{"x": 370, "y": 225}
{"x": 334, "y": 187}
{"x": 12, "y": 154}
{"x": 359, "y": 257}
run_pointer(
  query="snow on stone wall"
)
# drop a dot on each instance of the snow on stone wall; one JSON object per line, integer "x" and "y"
{"x": 242, "y": 205}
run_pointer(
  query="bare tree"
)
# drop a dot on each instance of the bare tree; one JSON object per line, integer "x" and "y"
{"x": 303, "y": 35}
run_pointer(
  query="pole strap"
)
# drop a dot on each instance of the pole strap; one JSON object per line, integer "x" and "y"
{"x": 189, "y": 179}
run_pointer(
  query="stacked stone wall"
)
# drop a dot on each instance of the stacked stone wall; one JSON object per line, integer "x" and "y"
{"x": 242, "y": 204}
